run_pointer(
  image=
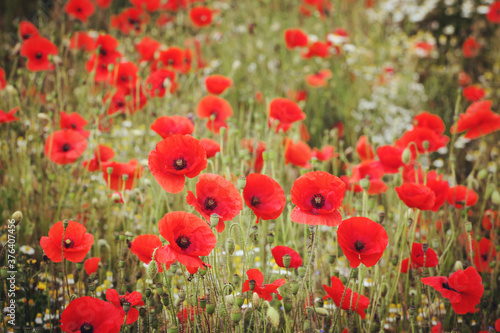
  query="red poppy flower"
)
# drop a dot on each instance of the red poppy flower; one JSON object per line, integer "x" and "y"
{"x": 76, "y": 245}
{"x": 217, "y": 84}
{"x": 317, "y": 195}
{"x": 430, "y": 121}
{"x": 264, "y": 196}
{"x": 175, "y": 157}
{"x": 82, "y": 41}
{"x": 416, "y": 196}
{"x": 216, "y": 195}
{"x": 478, "y": 120}
{"x": 490, "y": 217}
{"x": 295, "y": 38}
{"x": 417, "y": 136}
{"x": 212, "y": 147}
{"x": 160, "y": 80}
{"x": 280, "y": 251}
{"x": 89, "y": 314}
{"x": 103, "y": 4}
{"x": 107, "y": 45}
{"x": 175, "y": 58}
{"x": 189, "y": 236}
{"x": 463, "y": 288}
{"x": 256, "y": 148}
{"x": 326, "y": 153}
{"x": 484, "y": 254}
{"x": 493, "y": 16}
{"x": 464, "y": 79}
{"x": 37, "y": 50}
{"x": 317, "y": 49}
{"x": 201, "y": 16}
{"x": 7, "y": 117}
{"x": 285, "y": 113}
{"x": 350, "y": 301}
{"x": 91, "y": 265}
{"x": 144, "y": 246}
{"x": 298, "y": 154}
{"x": 27, "y": 30}
{"x": 132, "y": 169}
{"x": 134, "y": 298}
{"x": 364, "y": 149}
{"x": 373, "y": 171}
{"x": 168, "y": 126}
{"x": 130, "y": 19}
{"x": 217, "y": 110}
{"x": 297, "y": 95}
{"x": 471, "y": 47}
{"x": 73, "y": 121}
{"x": 440, "y": 188}
{"x": 101, "y": 154}
{"x": 100, "y": 69}
{"x": 473, "y": 93}
{"x": 437, "y": 328}
{"x": 80, "y": 9}
{"x": 147, "y": 48}
{"x": 125, "y": 75}
{"x": 460, "y": 196}
{"x": 390, "y": 158}
{"x": 264, "y": 291}
{"x": 318, "y": 79}
{"x": 3, "y": 81}
{"x": 65, "y": 147}
{"x": 419, "y": 258}
{"x": 362, "y": 241}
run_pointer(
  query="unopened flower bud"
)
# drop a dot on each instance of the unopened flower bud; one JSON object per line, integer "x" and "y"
{"x": 468, "y": 227}
{"x": 458, "y": 266}
{"x": 152, "y": 269}
{"x": 425, "y": 144}
{"x": 230, "y": 245}
{"x": 482, "y": 174}
{"x": 495, "y": 197}
{"x": 273, "y": 316}
{"x": 405, "y": 157}
{"x": 287, "y": 259}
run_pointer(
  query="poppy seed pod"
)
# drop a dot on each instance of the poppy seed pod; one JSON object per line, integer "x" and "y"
{"x": 203, "y": 303}
{"x": 332, "y": 258}
{"x": 126, "y": 306}
{"x": 182, "y": 294}
{"x": 242, "y": 182}
{"x": 270, "y": 238}
{"x": 251, "y": 284}
{"x": 302, "y": 271}
{"x": 236, "y": 279}
{"x": 468, "y": 227}
{"x": 159, "y": 289}
{"x": 214, "y": 220}
{"x": 236, "y": 315}
{"x": 287, "y": 260}
{"x": 240, "y": 300}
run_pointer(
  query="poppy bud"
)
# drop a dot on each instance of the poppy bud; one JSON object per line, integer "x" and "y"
{"x": 332, "y": 258}
{"x": 230, "y": 245}
{"x": 214, "y": 220}
{"x": 236, "y": 279}
{"x": 458, "y": 266}
{"x": 287, "y": 259}
{"x": 482, "y": 174}
{"x": 152, "y": 269}
{"x": 322, "y": 312}
{"x": 302, "y": 271}
{"x": 236, "y": 315}
{"x": 273, "y": 316}
{"x": 159, "y": 289}
{"x": 256, "y": 301}
{"x": 251, "y": 284}
{"x": 240, "y": 300}
{"x": 468, "y": 227}
{"x": 17, "y": 216}
{"x": 182, "y": 294}
{"x": 405, "y": 157}
{"x": 288, "y": 306}
{"x": 495, "y": 197}
{"x": 270, "y": 238}
{"x": 365, "y": 184}
{"x": 242, "y": 181}
{"x": 210, "y": 308}
{"x": 265, "y": 155}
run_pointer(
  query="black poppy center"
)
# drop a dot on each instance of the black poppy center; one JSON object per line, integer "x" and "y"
{"x": 66, "y": 147}
{"x": 484, "y": 256}
{"x": 447, "y": 286}
{"x": 180, "y": 164}
{"x": 68, "y": 243}
{"x": 120, "y": 104}
{"x": 255, "y": 201}
{"x": 79, "y": 10}
{"x": 318, "y": 201}
{"x": 86, "y": 328}
{"x": 183, "y": 242}
{"x": 38, "y": 55}
{"x": 359, "y": 245}
{"x": 103, "y": 52}
{"x": 171, "y": 61}
{"x": 26, "y": 36}
{"x": 210, "y": 203}
{"x": 73, "y": 126}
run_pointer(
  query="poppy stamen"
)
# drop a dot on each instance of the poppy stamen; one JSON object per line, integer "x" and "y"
{"x": 318, "y": 201}
{"x": 255, "y": 201}
{"x": 183, "y": 242}
{"x": 447, "y": 286}
{"x": 210, "y": 203}
{"x": 68, "y": 243}
{"x": 38, "y": 55}
{"x": 180, "y": 164}
{"x": 359, "y": 245}
{"x": 86, "y": 328}
{"x": 66, "y": 147}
